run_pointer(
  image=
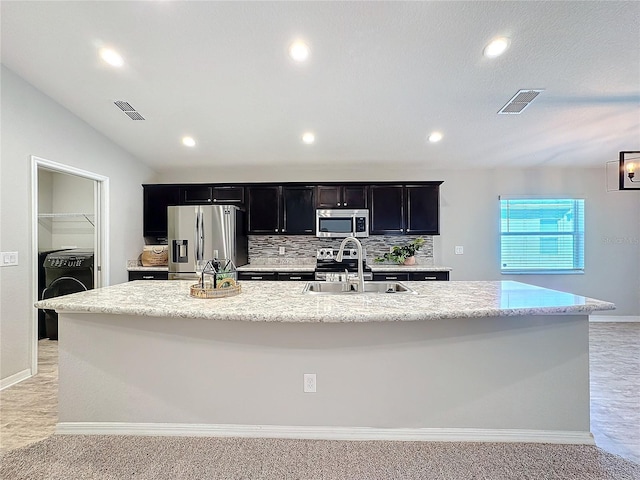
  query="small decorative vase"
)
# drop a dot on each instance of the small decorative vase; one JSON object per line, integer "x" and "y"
{"x": 410, "y": 261}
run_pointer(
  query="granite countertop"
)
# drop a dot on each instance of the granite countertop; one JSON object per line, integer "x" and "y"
{"x": 395, "y": 267}
{"x": 263, "y": 267}
{"x": 264, "y": 301}
{"x": 140, "y": 268}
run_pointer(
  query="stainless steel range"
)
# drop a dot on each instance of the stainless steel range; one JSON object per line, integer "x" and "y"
{"x": 328, "y": 268}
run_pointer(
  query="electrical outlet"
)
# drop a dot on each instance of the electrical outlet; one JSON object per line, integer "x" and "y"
{"x": 309, "y": 383}
{"x": 459, "y": 250}
{"x": 281, "y": 251}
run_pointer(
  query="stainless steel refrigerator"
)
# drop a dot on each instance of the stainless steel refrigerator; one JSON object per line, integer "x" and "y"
{"x": 204, "y": 232}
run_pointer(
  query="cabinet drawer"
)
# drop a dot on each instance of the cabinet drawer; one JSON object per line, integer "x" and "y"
{"x": 396, "y": 276}
{"x": 429, "y": 276}
{"x": 298, "y": 276}
{"x": 148, "y": 275}
{"x": 257, "y": 276}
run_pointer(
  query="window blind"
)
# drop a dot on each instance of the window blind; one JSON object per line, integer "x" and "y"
{"x": 541, "y": 235}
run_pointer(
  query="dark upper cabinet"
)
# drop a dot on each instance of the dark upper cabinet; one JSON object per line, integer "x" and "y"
{"x": 211, "y": 194}
{"x": 298, "y": 210}
{"x": 196, "y": 195}
{"x": 264, "y": 209}
{"x": 423, "y": 207}
{"x": 277, "y": 209}
{"x": 386, "y": 203}
{"x": 228, "y": 195}
{"x": 339, "y": 196}
{"x": 156, "y": 199}
{"x": 405, "y": 209}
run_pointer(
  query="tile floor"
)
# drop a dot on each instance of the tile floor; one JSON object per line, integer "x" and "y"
{"x": 28, "y": 410}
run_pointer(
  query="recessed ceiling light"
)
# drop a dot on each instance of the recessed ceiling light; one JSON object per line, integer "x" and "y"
{"x": 112, "y": 57}
{"x": 496, "y": 47}
{"x": 188, "y": 141}
{"x": 308, "y": 138}
{"x": 299, "y": 51}
{"x": 435, "y": 137}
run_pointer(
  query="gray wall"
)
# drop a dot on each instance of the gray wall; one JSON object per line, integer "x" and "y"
{"x": 33, "y": 124}
{"x": 470, "y": 217}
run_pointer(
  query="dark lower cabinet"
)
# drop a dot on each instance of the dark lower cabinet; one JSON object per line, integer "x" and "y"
{"x": 282, "y": 276}
{"x": 412, "y": 276}
{"x": 429, "y": 276}
{"x": 382, "y": 277}
{"x": 148, "y": 275}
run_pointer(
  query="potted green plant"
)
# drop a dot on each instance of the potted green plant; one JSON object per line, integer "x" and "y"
{"x": 404, "y": 254}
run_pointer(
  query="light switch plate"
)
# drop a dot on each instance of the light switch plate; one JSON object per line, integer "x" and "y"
{"x": 281, "y": 251}
{"x": 459, "y": 250}
{"x": 9, "y": 259}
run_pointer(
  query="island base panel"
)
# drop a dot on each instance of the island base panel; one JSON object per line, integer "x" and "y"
{"x": 493, "y": 373}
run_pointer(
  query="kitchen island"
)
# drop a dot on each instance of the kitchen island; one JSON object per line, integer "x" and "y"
{"x": 477, "y": 361}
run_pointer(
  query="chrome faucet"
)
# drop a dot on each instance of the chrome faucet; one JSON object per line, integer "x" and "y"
{"x": 360, "y": 260}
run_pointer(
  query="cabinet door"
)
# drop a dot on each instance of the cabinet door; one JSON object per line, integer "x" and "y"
{"x": 391, "y": 276}
{"x": 423, "y": 206}
{"x": 298, "y": 210}
{"x": 257, "y": 276}
{"x": 148, "y": 275}
{"x": 196, "y": 195}
{"x": 264, "y": 209}
{"x": 300, "y": 276}
{"x": 228, "y": 195}
{"x": 387, "y": 209}
{"x": 354, "y": 196}
{"x": 156, "y": 199}
{"x": 429, "y": 276}
{"x": 329, "y": 196}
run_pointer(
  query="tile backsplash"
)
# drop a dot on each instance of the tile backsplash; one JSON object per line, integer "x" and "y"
{"x": 265, "y": 248}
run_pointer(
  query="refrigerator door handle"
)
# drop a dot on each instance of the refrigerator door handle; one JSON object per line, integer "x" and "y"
{"x": 201, "y": 237}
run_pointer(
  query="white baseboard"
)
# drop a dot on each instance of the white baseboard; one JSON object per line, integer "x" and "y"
{"x": 614, "y": 318}
{"x": 327, "y": 433}
{"x": 15, "y": 378}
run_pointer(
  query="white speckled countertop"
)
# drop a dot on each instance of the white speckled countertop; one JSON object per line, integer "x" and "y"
{"x": 386, "y": 267}
{"x": 264, "y": 301}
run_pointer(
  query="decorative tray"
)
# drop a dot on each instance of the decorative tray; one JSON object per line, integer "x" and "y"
{"x": 226, "y": 288}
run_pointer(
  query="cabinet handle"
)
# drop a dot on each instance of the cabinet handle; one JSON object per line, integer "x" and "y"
{"x": 276, "y": 230}
{"x": 215, "y": 199}
{"x": 147, "y": 277}
{"x": 402, "y": 229}
{"x": 295, "y": 278}
{"x": 430, "y": 278}
{"x": 256, "y": 278}
{"x": 338, "y": 203}
{"x": 391, "y": 278}
{"x": 345, "y": 204}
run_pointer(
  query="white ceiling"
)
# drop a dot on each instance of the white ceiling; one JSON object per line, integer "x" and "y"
{"x": 380, "y": 77}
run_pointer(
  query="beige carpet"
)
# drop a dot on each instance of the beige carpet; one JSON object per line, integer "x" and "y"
{"x": 129, "y": 457}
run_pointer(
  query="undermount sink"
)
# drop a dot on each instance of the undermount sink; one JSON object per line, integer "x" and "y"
{"x": 342, "y": 288}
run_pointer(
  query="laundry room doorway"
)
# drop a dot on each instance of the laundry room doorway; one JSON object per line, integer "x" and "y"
{"x": 69, "y": 238}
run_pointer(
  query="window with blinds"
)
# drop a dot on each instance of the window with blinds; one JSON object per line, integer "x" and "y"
{"x": 541, "y": 235}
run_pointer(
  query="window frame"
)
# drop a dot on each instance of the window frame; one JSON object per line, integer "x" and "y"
{"x": 577, "y": 234}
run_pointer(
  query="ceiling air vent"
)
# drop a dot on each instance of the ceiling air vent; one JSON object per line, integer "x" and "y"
{"x": 128, "y": 109}
{"x": 519, "y": 102}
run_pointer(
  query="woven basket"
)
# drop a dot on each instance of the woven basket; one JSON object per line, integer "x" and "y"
{"x": 155, "y": 256}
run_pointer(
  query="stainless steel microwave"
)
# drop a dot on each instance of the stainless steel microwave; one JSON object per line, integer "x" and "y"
{"x": 342, "y": 223}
